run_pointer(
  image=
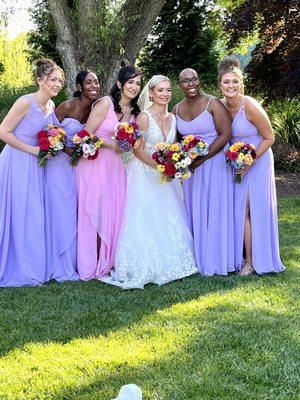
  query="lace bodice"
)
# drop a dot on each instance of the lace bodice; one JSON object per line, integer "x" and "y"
{"x": 154, "y": 134}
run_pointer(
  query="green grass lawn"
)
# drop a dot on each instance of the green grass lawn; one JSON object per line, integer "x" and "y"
{"x": 199, "y": 338}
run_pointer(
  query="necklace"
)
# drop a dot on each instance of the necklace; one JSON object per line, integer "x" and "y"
{"x": 125, "y": 107}
{"x": 232, "y": 110}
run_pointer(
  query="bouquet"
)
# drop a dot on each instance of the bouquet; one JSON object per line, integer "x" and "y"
{"x": 172, "y": 161}
{"x": 194, "y": 146}
{"x": 51, "y": 140}
{"x": 86, "y": 145}
{"x": 127, "y": 136}
{"x": 238, "y": 156}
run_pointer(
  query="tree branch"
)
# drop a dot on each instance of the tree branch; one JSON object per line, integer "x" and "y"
{"x": 138, "y": 17}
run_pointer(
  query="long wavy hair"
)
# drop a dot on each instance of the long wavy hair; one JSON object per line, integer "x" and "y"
{"x": 125, "y": 73}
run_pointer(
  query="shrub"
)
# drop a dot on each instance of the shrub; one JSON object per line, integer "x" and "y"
{"x": 285, "y": 118}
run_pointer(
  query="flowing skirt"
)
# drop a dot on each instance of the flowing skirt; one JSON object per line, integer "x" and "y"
{"x": 155, "y": 243}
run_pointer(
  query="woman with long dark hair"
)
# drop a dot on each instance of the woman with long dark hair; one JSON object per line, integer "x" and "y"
{"x": 101, "y": 183}
{"x": 60, "y": 185}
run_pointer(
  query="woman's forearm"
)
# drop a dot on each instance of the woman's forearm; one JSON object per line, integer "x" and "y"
{"x": 12, "y": 140}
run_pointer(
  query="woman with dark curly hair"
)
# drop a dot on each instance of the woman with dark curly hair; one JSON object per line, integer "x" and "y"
{"x": 256, "y": 226}
{"x": 101, "y": 183}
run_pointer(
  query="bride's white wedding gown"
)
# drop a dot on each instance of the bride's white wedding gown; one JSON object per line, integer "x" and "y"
{"x": 155, "y": 244}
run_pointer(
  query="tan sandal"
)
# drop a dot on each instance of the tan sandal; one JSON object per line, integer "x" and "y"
{"x": 247, "y": 269}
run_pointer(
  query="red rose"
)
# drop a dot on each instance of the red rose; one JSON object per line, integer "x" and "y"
{"x": 193, "y": 143}
{"x": 44, "y": 144}
{"x": 155, "y": 156}
{"x": 170, "y": 169}
{"x": 185, "y": 148}
{"x": 233, "y": 155}
{"x": 131, "y": 139}
{"x": 169, "y": 154}
{"x": 121, "y": 134}
{"x": 253, "y": 154}
{"x": 42, "y": 134}
{"x": 83, "y": 133}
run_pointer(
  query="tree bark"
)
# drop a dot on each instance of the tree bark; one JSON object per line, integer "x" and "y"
{"x": 98, "y": 40}
{"x": 138, "y": 17}
{"x": 66, "y": 41}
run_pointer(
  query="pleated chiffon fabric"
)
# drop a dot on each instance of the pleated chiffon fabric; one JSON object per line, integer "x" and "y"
{"x": 259, "y": 184}
{"x": 61, "y": 210}
{"x": 22, "y": 218}
{"x": 208, "y": 198}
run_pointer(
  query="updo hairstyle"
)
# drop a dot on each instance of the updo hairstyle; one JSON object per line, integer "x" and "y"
{"x": 230, "y": 65}
{"x": 45, "y": 67}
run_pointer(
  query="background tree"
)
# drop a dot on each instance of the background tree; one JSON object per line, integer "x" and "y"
{"x": 42, "y": 40}
{"x": 99, "y": 34}
{"x": 275, "y": 65}
{"x": 182, "y": 37}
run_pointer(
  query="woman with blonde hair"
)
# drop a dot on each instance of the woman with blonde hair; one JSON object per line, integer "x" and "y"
{"x": 255, "y": 205}
{"x": 155, "y": 244}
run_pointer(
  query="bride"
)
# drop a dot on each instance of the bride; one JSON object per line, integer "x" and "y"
{"x": 155, "y": 244}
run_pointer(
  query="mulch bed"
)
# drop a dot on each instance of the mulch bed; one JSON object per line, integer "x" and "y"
{"x": 287, "y": 183}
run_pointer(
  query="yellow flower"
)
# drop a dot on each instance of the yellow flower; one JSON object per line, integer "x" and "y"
{"x": 186, "y": 175}
{"x": 175, "y": 157}
{"x": 174, "y": 147}
{"x": 201, "y": 144}
{"x": 53, "y": 141}
{"x": 248, "y": 159}
{"x": 161, "y": 168}
{"x": 241, "y": 157}
{"x": 188, "y": 138}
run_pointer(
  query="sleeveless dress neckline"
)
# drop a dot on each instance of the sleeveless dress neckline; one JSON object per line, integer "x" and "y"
{"x": 33, "y": 101}
{"x": 165, "y": 138}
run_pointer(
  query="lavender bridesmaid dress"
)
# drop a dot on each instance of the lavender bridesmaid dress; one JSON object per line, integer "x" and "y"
{"x": 61, "y": 210}
{"x": 208, "y": 198}
{"x": 22, "y": 227}
{"x": 259, "y": 184}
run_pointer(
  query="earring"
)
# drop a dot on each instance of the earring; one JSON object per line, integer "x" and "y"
{"x": 151, "y": 99}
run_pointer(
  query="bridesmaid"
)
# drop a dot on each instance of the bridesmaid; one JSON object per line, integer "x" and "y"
{"x": 209, "y": 192}
{"x": 256, "y": 226}
{"x": 60, "y": 188}
{"x": 22, "y": 224}
{"x": 101, "y": 183}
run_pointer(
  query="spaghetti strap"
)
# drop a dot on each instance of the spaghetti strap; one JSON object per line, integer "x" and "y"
{"x": 207, "y": 105}
{"x": 176, "y": 109}
{"x": 243, "y": 103}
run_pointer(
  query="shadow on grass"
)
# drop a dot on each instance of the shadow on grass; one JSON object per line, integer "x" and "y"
{"x": 230, "y": 354}
{"x": 62, "y": 312}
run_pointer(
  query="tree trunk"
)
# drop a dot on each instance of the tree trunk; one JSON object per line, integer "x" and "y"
{"x": 99, "y": 40}
{"x": 66, "y": 42}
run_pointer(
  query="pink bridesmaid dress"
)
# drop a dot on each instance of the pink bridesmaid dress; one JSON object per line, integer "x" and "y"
{"x": 101, "y": 187}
